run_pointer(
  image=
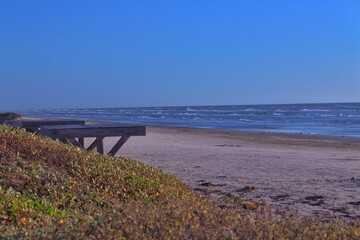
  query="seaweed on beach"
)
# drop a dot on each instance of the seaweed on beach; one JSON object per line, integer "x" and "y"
{"x": 53, "y": 190}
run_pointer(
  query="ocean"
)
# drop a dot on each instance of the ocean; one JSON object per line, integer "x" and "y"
{"x": 335, "y": 119}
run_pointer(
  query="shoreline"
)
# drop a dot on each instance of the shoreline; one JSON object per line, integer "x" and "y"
{"x": 244, "y": 133}
{"x": 324, "y": 129}
{"x": 255, "y": 134}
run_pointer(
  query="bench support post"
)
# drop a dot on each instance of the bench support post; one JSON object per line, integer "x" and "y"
{"x": 92, "y": 145}
{"x": 81, "y": 141}
{"x": 75, "y": 143}
{"x": 118, "y": 145}
{"x": 100, "y": 145}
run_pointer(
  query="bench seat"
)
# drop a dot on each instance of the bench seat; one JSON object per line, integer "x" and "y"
{"x": 69, "y": 133}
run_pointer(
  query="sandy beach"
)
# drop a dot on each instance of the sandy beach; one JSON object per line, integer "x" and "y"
{"x": 308, "y": 175}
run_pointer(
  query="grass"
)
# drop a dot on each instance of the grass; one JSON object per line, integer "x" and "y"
{"x": 50, "y": 190}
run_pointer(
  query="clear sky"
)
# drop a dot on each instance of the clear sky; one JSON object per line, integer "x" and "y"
{"x": 72, "y": 53}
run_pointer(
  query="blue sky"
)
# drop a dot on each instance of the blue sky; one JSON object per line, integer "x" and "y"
{"x": 68, "y": 53}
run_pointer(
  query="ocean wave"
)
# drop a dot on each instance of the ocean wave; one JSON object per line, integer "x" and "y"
{"x": 253, "y": 110}
{"x": 185, "y": 114}
{"x": 314, "y": 110}
{"x": 157, "y": 113}
{"x": 201, "y": 110}
{"x": 246, "y": 120}
{"x": 281, "y": 110}
{"x": 147, "y": 117}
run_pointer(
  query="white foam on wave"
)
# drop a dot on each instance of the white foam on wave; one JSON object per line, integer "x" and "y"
{"x": 327, "y": 115}
{"x": 246, "y": 120}
{"x": 314, "y": 110}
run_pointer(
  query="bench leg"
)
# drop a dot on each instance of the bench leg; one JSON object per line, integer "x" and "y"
{"x": 75, "y": 143}
{"x": 100, "y": 145}
{"x": 92, "y": 146}
{"x": 118, "y": 145}
{"x": 81, "y": 141}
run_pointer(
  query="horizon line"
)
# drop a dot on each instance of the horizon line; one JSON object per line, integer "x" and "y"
{"x": 205, "y": 105}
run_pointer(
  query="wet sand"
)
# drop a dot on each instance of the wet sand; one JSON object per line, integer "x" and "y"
{"x": 308, "y": 175}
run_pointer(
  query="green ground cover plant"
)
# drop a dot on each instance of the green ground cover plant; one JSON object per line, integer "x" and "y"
{"x": 51, "y": 190}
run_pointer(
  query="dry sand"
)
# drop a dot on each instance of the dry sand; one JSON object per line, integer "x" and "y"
{"x": 309, "y": 175}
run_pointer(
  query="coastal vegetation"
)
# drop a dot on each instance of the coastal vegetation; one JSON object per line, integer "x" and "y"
{"x": 53, "y": 190}
{"x": 8, "y": 116}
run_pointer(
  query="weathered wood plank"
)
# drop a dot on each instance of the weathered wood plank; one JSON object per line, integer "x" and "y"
{"x": 92, "y": 130}
{"x": 118, "y": 145}
{"x": 34, "y": 125}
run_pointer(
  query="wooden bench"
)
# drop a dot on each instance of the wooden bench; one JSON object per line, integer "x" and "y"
{"x": 34, "y": 125}
{"x": 69, "y": 133}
